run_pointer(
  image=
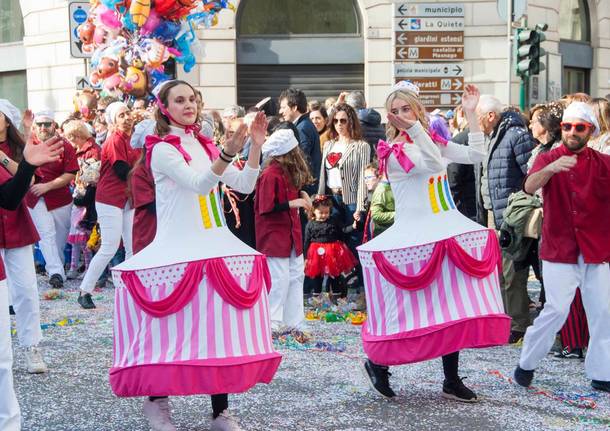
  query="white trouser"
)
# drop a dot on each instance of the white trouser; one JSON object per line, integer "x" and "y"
{"x": 114, "y": 223}
{"x": 10, "y": 416}
{"x": 53, "y": 228}
{"x": 286, "y": 296}
{"x": 560, "y": 283}
{"x": 23, "y": 293}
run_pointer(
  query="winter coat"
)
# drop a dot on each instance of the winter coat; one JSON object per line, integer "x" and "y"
{"x": 372, "y": 130}
{"x": 462, "y": 182}
{"x": 509, "y": 150}
{"x": 309, "y": 142}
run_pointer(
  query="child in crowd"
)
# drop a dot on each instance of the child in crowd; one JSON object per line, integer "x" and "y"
{"x": 83, "y": 215}
{"x": 326, "y": 252}
{"x": 371, "y": 179}
{"x": 278, "y": 228}
{"x": 382, "y": 207}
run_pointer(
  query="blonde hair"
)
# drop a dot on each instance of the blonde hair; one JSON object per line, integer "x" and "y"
{"x": 418, "y": 109}
{"x": 76, "y": 129}
{"x": 601, "y": 107}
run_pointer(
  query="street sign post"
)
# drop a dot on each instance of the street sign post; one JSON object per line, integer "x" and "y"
{"x": 430, "y": 53}
{"x": 429, "y": 38}
{"x": 429, "y": 50}
{"x": 418, "y": 70}
{"x": 78, "y": 14}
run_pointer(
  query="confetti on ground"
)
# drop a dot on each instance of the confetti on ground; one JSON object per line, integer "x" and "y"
{"x": 315, "y": 389}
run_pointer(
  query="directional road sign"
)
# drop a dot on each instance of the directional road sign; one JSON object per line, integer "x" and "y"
{"x": 432, "y": 53}
{"x": 78, "y": 14}
{"x": 440, "y": 99}
{"x": 429, "y": 38}
{"x": 435, "y": 70}
{"x": 429, "y": 24}
{"x": 445, "y": 85}
{"x": 427, "y": 9}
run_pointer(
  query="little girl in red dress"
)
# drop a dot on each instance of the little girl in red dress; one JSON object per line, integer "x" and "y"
{"x": 326, "y": 252}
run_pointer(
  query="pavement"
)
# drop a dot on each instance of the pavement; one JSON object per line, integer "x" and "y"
{"x": 314, "y": 389}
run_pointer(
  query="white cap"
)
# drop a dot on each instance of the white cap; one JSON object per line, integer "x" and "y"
{"x": 141, "y": 131}
{"x": 45, "y": 114}
{"x": 112, "y": 110}
{"x": 406, "y": 86}
{"x": 279, "y": 143}
{"x": 9, "y": 110}
{"x": 582, "y": 111}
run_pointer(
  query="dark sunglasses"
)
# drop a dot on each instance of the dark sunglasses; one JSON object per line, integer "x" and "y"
{"x": 340, "y": 120}
{"x": 578, "y": 127}
{"x": 45, "y": 124}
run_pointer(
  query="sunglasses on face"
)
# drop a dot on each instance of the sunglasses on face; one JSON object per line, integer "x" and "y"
{"x": 369, "y": 177}
{"x": 45, "y": 124}
{"x": 340, "y": 120}
{"x": 578, "y": 127}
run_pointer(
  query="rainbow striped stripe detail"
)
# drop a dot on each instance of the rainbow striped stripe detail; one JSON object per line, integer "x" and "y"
{"x": 440, "y": 194}
{"x": 211, "y": 210}
{"x": 432, "y": 196}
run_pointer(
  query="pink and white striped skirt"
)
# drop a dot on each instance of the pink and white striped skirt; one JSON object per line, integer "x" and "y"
{"x": 206, "y": 346}
{"x": 442, "y": 297}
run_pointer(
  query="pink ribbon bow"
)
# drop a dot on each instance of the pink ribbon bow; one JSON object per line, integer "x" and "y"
{"x": 208, "y": 145}
{"x": 383, "y": 152}
{"x": 151, "y": 140}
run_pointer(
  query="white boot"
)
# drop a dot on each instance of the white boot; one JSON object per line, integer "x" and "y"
{"x": 225, "y": 422}
{"x": 158, "y": 414}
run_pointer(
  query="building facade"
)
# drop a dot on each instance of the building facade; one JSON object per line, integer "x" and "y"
{"x": 322, "y": 46}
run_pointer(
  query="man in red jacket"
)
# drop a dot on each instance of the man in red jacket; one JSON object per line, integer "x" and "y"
{"x": 50, "y": 200}
{"x": 575, "y": 182}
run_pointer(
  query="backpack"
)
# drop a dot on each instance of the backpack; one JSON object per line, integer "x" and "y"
{"x": 516, "y": 216}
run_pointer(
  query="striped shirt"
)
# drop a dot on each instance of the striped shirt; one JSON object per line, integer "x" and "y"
{"x": 355, "y": 158}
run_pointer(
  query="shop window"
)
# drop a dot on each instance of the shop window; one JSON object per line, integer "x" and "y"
{"x": 11, "y": 21}
{"x": 298, "y": 17}
{"x": 574, "y": 20}
{"x": 13, "y": 87}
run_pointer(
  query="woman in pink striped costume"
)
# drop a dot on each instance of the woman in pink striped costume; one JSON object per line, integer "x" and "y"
{"x": 431, "y": 280}
{"x": 191, "y": 309}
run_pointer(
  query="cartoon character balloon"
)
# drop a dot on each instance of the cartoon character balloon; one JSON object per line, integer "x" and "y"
{"x": 131, "y": 40}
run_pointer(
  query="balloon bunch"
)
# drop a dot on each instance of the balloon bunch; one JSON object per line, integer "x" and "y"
{"x": 131, "y": 40}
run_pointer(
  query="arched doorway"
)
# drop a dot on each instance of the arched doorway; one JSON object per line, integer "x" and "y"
{"x": 575, "y": 46}
{"x": 314, "y": 45}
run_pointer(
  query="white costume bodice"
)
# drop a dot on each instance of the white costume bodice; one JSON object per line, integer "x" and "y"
{"x": 190, "y": 220}
{"x": 425, "y": 211}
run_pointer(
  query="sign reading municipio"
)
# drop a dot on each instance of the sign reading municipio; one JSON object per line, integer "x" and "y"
{"x": 427, "y": 9}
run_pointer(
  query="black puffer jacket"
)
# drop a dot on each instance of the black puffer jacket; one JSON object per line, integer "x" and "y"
{"x": 372, "y": 130}
{"x": 510, "y": 148}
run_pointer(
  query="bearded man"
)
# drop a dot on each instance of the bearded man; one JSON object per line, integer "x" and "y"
{"x": 575, "y": 249}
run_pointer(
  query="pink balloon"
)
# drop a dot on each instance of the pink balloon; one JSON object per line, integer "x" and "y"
{"x": 151, "y": 23}
{"x": 110, "y": 19}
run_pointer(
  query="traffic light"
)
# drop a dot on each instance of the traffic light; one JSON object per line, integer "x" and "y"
{"x": 528, "y": 51}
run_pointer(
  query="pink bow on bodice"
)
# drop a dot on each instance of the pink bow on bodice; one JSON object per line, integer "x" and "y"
{"x": 175, "y": 141}
{"x": 383, "y": 152}
{"x": 152, "y": 140}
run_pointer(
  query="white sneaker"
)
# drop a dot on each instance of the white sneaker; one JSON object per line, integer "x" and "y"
{"x": 158, "y": 414}
{"x": 225, "y": 422}
{"x": 34, "y": 361}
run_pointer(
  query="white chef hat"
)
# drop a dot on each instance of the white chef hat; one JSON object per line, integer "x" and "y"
{"x": 141, "y": 131}
{"x": 9, "y": 110}
{"x": 407, "y": 86}
{"x": 279, "y": 143}
{"x": 582, "y": 111}
{"x": 112, "y": 110}
{"x": 44, "y": 114}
